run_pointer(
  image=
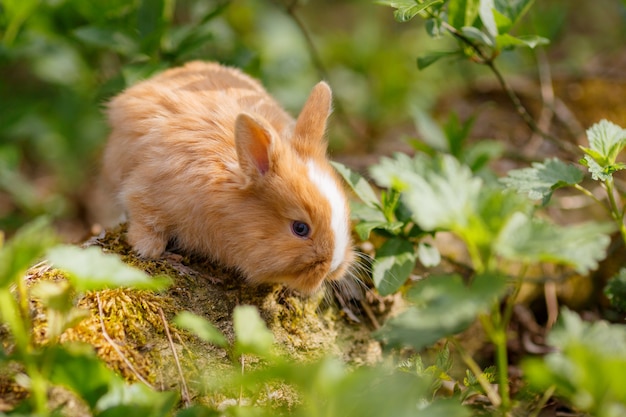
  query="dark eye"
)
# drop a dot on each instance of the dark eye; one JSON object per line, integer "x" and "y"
{"x": 300, "y": 229}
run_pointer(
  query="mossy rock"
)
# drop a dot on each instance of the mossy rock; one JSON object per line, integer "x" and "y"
{"x": 132, "y": 330}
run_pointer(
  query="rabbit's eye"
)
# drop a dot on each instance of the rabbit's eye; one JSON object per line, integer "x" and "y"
{"x": 300, "y": 229}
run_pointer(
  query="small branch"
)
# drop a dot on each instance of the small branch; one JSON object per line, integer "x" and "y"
{"x": 108, "y": 338}
{"x": 184, "y": 389}
{"x": 519, "y": 107}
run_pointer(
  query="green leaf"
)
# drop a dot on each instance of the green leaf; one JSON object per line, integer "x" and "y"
{"x": 586, "y": 367}
{"x": 440, "y": 192}
{"x": 485, "y": 11}
{"x": 198, "y": 411}
{"x": 615, "y": 290}
{"x": 428, "y": 255}
{"x": 407, "y": 9}
{"x": 540, "y": 181}
{"x": 429, "y": 131}
{"x": 151, "y": 20}
{"x": 507, "y": 41}
{"x": 393, "y": 264}
{"x": 444, "y": 306}
{"x": 462, "y": 12}
{"x": 606, "y": 141}
{"x": 107, "y": 38}
{"x": 536, "y": 240}
{"x": 359, "y": 185}
{"x": 251, "y": 332}
{"x": 90, "y": 269}
{"x": 430, "y": 58}
{"x": 201, "y": 328}
{"x": 478, "y": 36}
{"x": 125, "y": 400}
{"x": 24, "y": 249}
{"x": 77, "y": 368}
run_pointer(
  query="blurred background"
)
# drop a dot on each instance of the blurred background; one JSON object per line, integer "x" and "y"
{"x": 61, "y": 60}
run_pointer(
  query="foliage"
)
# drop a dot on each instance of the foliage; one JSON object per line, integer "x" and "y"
{"x": 585, "y": 367}
{"x": 72, "y": 366}
{"x": 482, "y": 27}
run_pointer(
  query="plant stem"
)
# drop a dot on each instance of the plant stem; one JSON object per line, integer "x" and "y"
{"x": 615, "y": 211}
{"x": 519, "y": 107}
{"x": 12, "y": 316}
{"x": 478, "y": 373}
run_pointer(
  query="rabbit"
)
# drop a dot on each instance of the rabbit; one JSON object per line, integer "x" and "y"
{"x": 202, "y": 157}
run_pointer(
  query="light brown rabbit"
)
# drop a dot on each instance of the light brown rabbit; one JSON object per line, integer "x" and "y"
{"x": 202, "y": 157}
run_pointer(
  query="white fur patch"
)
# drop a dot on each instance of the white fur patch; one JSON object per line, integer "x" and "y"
{"x": 329, "y": 189}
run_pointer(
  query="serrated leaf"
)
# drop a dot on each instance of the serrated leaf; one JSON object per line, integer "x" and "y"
{"x": 24, "y": 249}
{"x": 535, "y": 240}
{"x": 586, "y": 366}
{"x": 359, "y": 185}
{"x": 407, "y": 9}
{"x": 440, "y": 192}
{"x": 444, "y": 306}
{"x": 541, "y": 179}
{"x": 200, "y": 327}
{"x": 393, "y": 263}
{"x": 606, "y": 141}
{"x": 90, "y": 269}
{"x": 251, "y": 333}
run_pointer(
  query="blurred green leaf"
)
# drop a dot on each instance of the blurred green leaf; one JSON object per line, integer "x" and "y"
{"x": 359, "y": 185}
{"x": 540, "y": 181}
{"x": 17, "y": 11}
{"x": 200, "y": 327}
{"x": 198, "y": 411}
{"x": 462, "y": 12}
{"x": 125, "y": 400}
{"x": 428, "y": 255}
{"x": 77, "y": 368}
{"x": 90, "y": 269}
{"x": 24, "y": 249}
{"x": 444, "y": 306}
{"x": 486, "y": 12}
{"x": 408, "y": 9}
{"x": 531, "y": 240}
{"x": 251, "y": 333}
{"x": 507, "y": 41}
{"x": 107, "y": 38}
{"x": 430, "y": 58}
{"x": 615, "y": 290}
{"x": 394, "y": 262}
{"x": 586, "y": 367}
{"x": 478, "y": 36}
{"x": 151, "y": 21}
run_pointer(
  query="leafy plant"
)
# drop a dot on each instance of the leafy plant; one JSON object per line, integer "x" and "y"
{"x": 585, "y": 366}
{"x": 72, "y": 366}
{"x": 437, "y": 194}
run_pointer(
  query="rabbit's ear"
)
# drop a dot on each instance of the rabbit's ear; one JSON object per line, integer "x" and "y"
{"x": 311, "y": 123}
{"x": 254, "y": 145}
